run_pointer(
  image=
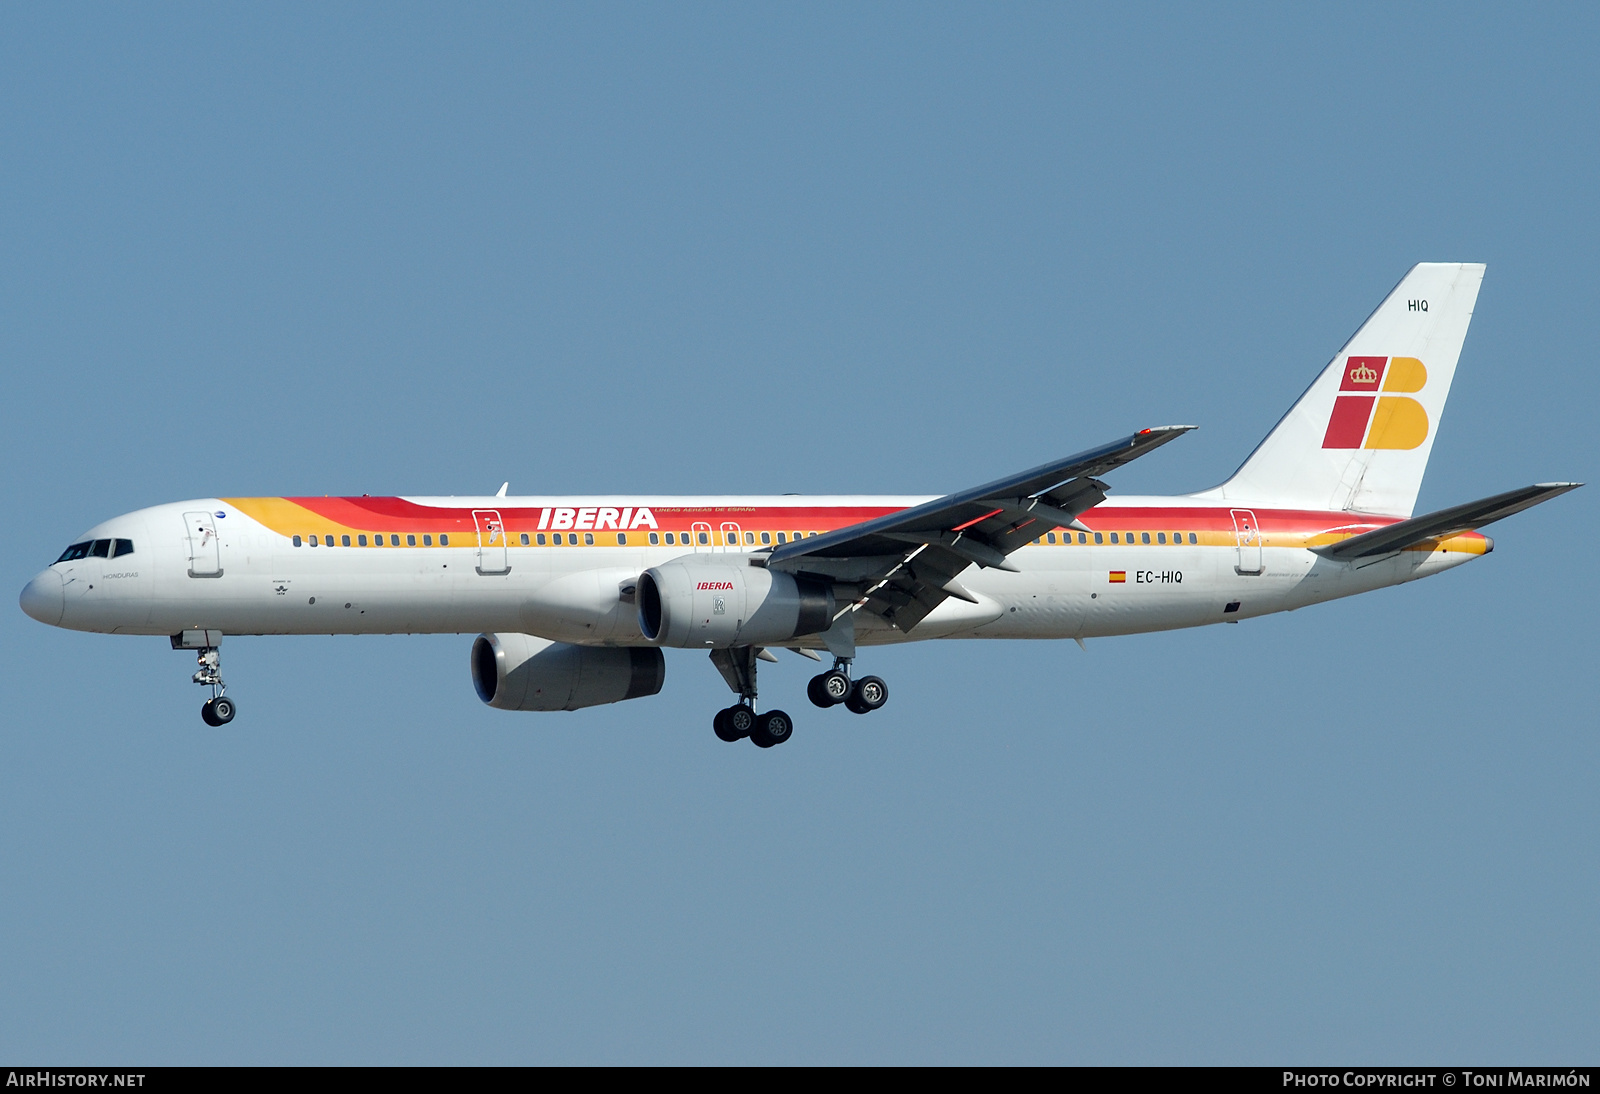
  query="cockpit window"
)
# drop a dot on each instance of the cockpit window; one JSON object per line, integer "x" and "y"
{"x": 97, "y": 548}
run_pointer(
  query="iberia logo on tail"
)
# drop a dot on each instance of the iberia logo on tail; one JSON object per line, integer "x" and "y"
{"x": 1382, "y": 419}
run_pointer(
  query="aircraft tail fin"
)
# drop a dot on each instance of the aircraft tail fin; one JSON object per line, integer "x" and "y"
{"x": 1359, "y": 437}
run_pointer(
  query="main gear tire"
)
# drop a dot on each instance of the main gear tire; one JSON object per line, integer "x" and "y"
{"x": 724, "y": 728}
{"x": 772, "y": 728}
{"x": 829, "y": 688}
{"x": 869, "y": 693}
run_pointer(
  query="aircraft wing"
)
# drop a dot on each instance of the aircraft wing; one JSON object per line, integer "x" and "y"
{"x": 1446, "y": 522}
{"x": 906, "y": 563}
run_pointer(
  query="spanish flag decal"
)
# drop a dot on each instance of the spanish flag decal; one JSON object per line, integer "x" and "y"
{"x": 1119, "y": 577}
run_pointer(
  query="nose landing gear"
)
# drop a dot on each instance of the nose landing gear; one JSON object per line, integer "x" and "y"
{"x": 219, "y": 709}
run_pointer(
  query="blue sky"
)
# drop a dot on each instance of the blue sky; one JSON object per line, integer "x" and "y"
{"x": 704, "y": 249}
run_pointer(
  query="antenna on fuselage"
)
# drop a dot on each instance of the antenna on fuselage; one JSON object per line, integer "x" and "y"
{"x": 500, "y": 493}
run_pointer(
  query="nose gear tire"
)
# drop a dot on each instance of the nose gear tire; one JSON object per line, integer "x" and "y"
{"x": 218, "y": 711}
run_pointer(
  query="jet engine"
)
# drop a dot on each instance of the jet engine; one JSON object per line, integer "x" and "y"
{"x": 521, "y": 672}
{"x": 715, "y": 604}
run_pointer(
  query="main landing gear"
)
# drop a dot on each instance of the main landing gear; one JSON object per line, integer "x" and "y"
{"x": 219, "y": 709}
{"x": 833, "y": 687}
{"x": 764, "y": 730}
{"x": 738, "y": 668}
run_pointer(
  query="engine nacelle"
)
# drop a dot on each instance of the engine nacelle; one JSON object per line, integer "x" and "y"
{"x": 713, "y": 604}
{"x": 521, "y": 672}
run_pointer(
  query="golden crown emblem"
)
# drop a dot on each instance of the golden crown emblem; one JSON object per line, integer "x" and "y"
{"x": 1363, "y": 374}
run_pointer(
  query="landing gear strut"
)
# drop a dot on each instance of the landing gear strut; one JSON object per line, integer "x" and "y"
{"x": 833, "y": 687}
{"x": 738, "y": 668}
{"x": 219, "y": 709}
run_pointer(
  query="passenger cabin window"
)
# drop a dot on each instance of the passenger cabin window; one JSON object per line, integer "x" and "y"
{"x": 444, "y": 540}
{"x": 427, "y": 541}
{"x": 361, "y": 541}
{"x": 344, "y": 541}
{"x": 655, "y": 539}
{"x": 556, "y": 539}
{"x": 1098, "y": 539}
{"x": 588, "y": 539}
{"x": 622, "y": 539}
{"x": 297, "y": 541}
{"x": 1113, "y": 537}
{"x": 1144, "y": 537}
{"x": 782, "y": 538}
{"x": 312, "y": 540}
{"x": 750, "y": 539}
{"x": 411, "y": 540}
{"x": 328, "y": 539}
{"x": 1161, "y": 537}
{"x": 541, "y": 539}
{"x": 1049, "y": 537}
{"x": 704, "y": 538}
{"x": 524, "y": 539}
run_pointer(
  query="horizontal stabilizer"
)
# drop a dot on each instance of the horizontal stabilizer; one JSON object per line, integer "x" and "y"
{"x": 1446, "y": 522}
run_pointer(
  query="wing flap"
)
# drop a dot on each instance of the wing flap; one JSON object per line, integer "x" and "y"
{"x": 982, "y": 512}
{"x": 905, "y": 564}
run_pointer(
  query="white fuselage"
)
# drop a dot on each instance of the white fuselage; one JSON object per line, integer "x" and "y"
{"x": 260, "y": 582}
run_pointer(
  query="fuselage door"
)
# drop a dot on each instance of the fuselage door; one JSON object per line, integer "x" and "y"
{"x": 491, "y": 542}
{"x": 1249, "y": 536}
{"x": 730, "y": 536}
{"x": 702, "y": 538}
{"x": 205, "y": 553}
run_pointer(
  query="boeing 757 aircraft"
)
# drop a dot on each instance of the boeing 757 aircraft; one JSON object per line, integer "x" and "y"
{"x": 577, "y": 596}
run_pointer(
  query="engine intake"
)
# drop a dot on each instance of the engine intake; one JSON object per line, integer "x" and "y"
{"x": 521, "y": 672}
{"x": 716, "y": 604}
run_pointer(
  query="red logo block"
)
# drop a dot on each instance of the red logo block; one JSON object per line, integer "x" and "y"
{"x": 1363, "y": 373}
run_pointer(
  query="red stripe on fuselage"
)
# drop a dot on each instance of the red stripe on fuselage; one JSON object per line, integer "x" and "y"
{"x": 392, "y": 514}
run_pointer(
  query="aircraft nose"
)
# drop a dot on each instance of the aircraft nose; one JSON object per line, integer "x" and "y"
{"x": 44, "y": 597}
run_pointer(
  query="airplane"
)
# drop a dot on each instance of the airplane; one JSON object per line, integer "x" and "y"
{"x": 576, "y": 597}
